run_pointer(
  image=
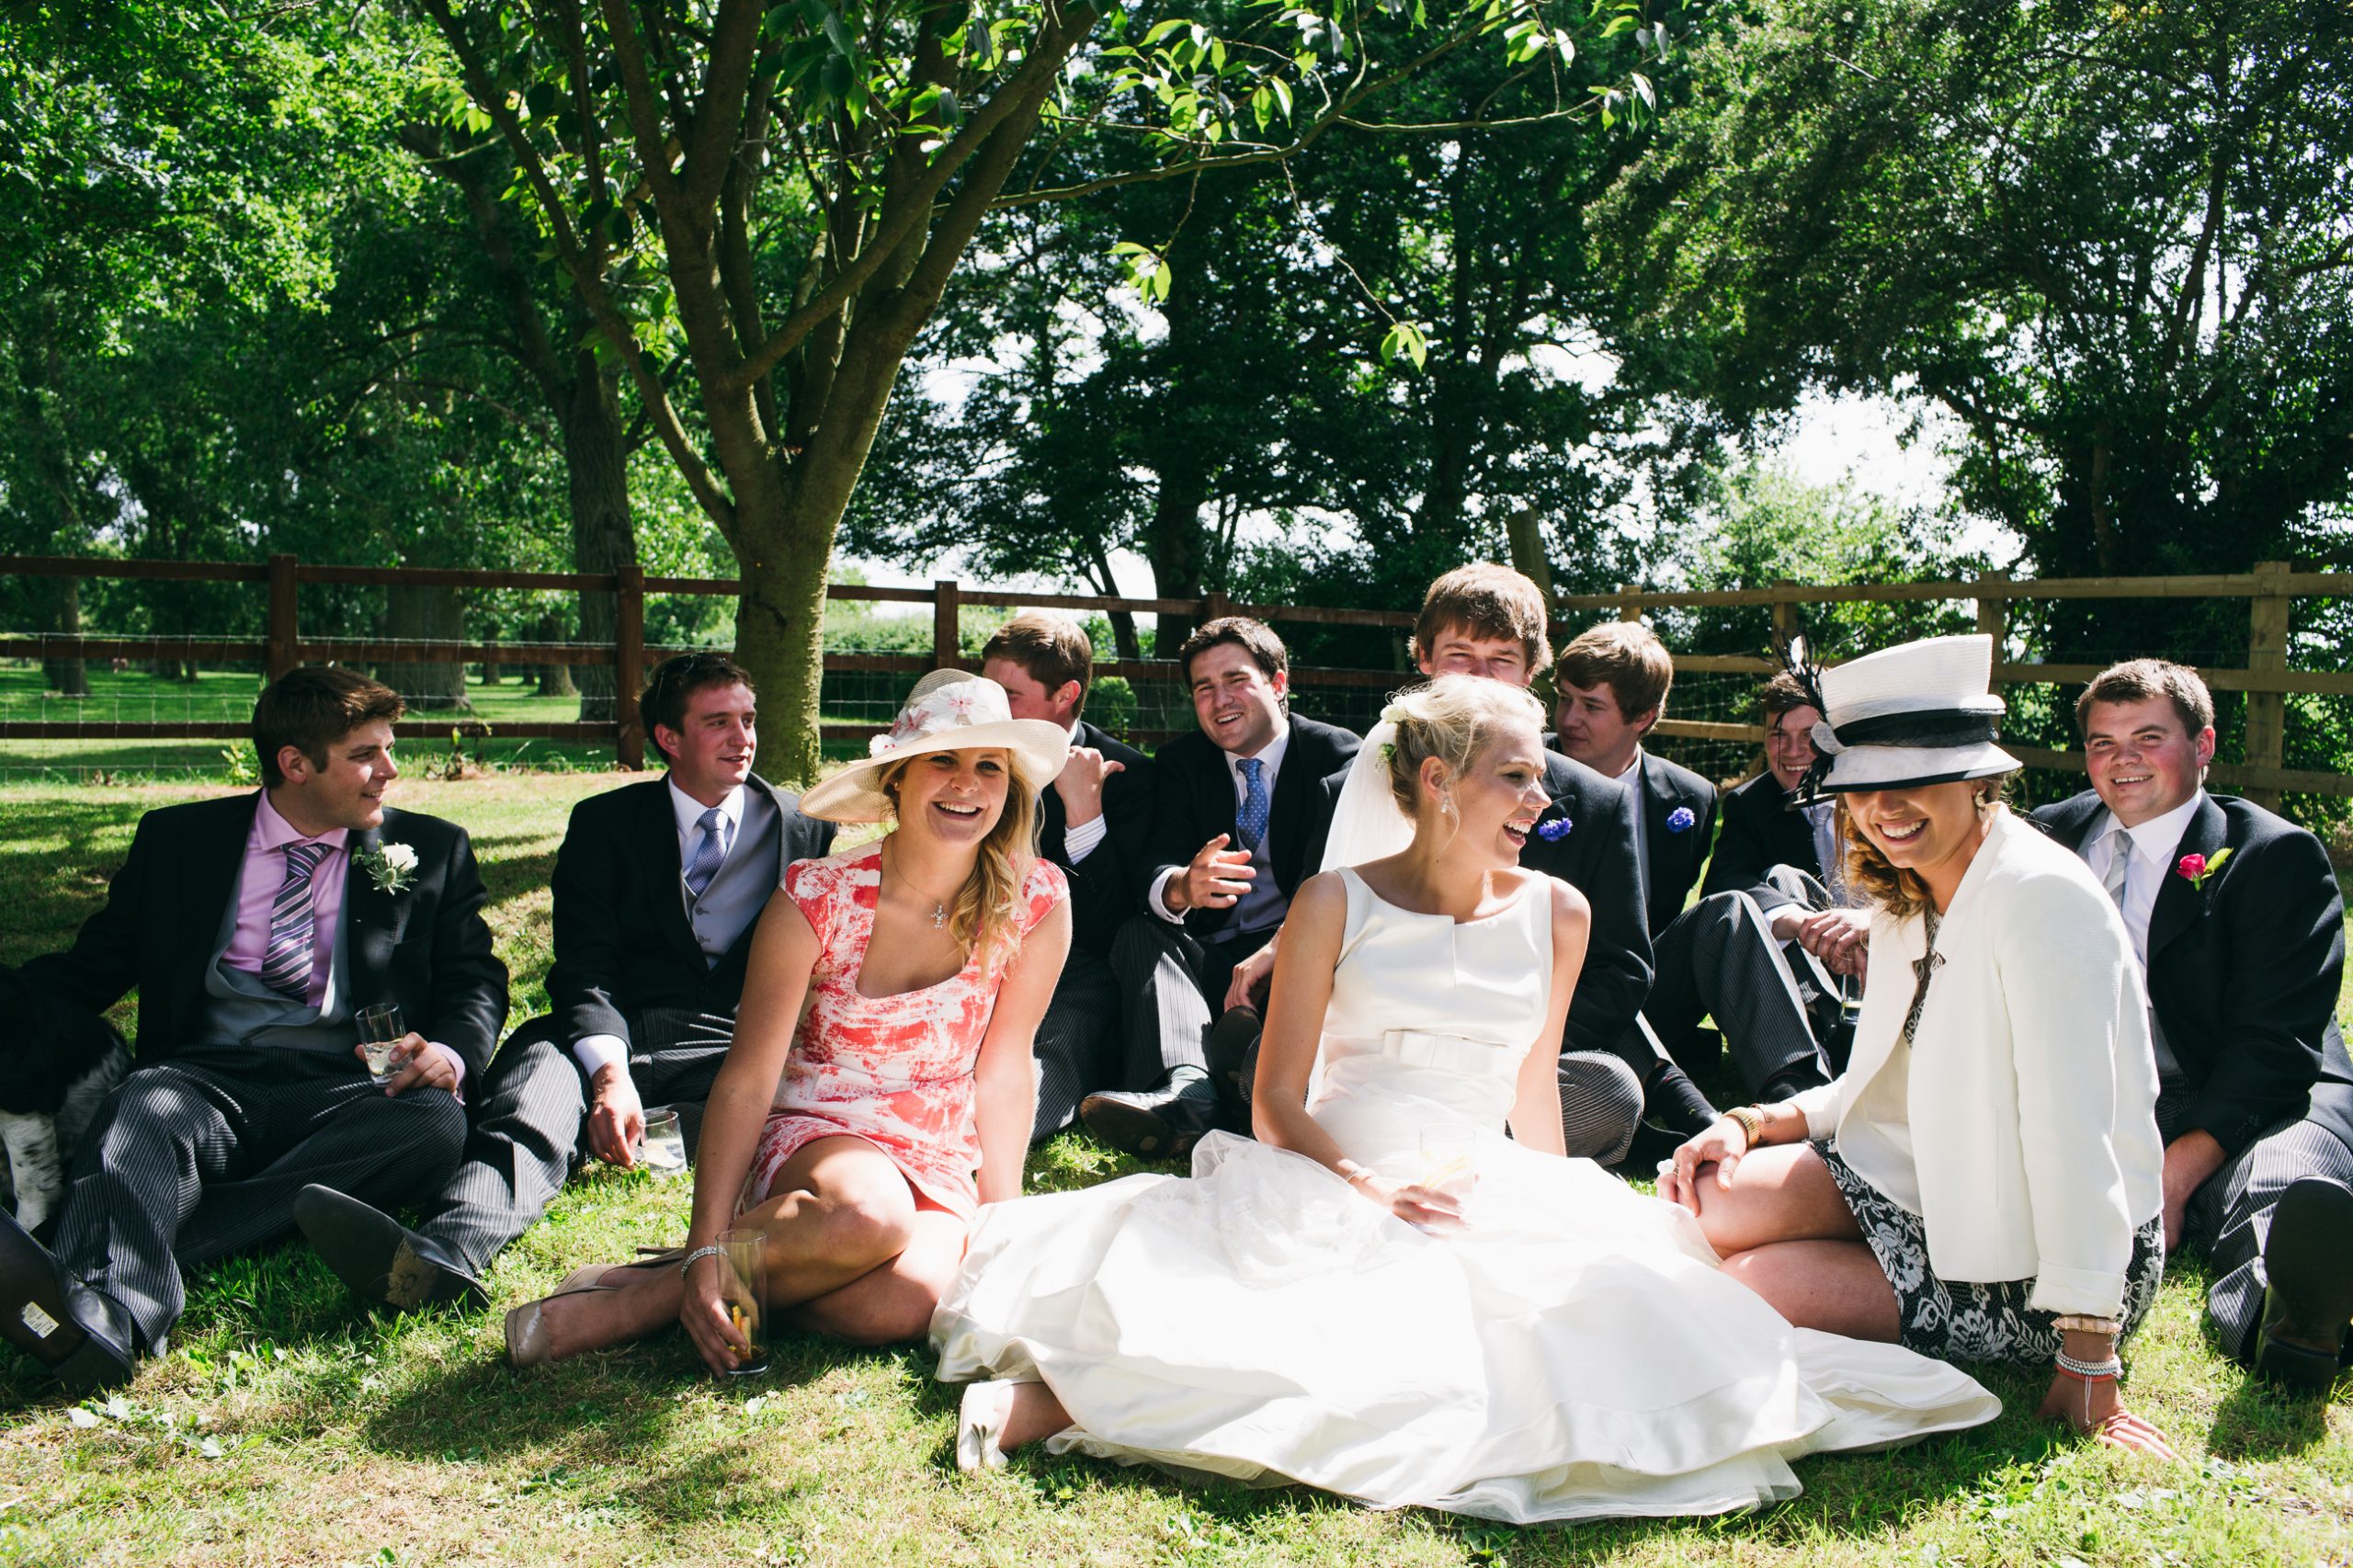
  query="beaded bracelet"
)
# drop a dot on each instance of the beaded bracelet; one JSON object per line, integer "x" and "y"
{"x": 2090, "y": 1372}
{"x": 699, "y": 1255}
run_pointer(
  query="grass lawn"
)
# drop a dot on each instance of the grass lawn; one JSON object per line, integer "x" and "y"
{"x": 284, "y": 1426}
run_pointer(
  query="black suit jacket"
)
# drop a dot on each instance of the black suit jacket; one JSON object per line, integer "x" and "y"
{"x": 425, "y": 948}
{"x": 1676, "y": 854}
{"x": 1194, "y": 803}
{"x": 2243, "y": 972}
{"x": 1595, "y": 854}
{"x": 1760, "y": 832}
{"x": 622, "y": 943}
{"x": 1106, "y": 886}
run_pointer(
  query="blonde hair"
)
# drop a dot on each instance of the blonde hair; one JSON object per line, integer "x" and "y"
{"x": 986, "y": 916}
{"x": 1879, "y": 879}
{"x": 1451, "y": 719}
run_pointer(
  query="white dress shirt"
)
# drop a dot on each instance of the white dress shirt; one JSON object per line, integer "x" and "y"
{"x": 2152, "y": 842}
{"x": 596, "y": 1050}
{"x": 1271, "y": 755}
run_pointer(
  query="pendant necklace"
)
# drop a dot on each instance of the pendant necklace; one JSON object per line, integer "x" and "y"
{"x": 939, "y": 916}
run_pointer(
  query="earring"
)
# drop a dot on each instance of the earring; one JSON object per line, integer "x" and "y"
{"x": 1446, "y": 802}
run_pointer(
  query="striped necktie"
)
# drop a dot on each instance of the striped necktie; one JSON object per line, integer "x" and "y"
{"x": 707, "y": 853}
{"x": 2120, "y": 863}
{"x": 286, "y": 962}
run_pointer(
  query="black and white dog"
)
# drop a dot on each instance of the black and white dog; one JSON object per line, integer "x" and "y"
{"x": 57, "y": 1066}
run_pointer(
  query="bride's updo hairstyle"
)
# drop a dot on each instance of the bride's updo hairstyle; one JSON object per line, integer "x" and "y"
{"x": 1452, "y": 719}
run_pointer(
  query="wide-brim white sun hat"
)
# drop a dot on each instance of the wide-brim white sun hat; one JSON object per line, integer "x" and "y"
{"x": 1921, "y": 713}
{"x": 948, "y": 710}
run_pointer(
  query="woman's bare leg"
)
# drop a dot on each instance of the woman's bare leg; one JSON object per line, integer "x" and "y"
{"x": 1837, "y": 1287}
{"x": 893, "y": 1301}
{"x": 1036, "y": 1414}
{"x": 1782, "y": 1194}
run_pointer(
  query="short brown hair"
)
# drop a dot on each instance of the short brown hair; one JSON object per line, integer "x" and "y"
{"x": 311, "y": 707}
{"x": 1625, "y": 656}
{"x": 1782, "y": 695}
{"x": 1053, "y": 650}
{"x": 2137, "y": 680}
{"x": 674, "y": 683}
{"x": 1489, "y": 601}
{"x": 1253, "y": 637}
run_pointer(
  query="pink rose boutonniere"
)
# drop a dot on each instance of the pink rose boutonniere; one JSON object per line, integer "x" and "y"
{"x": 2197, "y": 868}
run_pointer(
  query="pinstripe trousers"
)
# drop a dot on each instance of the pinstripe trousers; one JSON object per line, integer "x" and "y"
{"x": 200, "y": 1156}
{"x": 1079, "y": 1044}
{"x": 2229, "y": 1218}
{"x": 530, "y": 1120}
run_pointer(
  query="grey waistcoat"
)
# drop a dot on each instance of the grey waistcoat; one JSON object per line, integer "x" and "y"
{"x": 737, "y": 895}
{"x": 240, "y": 1010}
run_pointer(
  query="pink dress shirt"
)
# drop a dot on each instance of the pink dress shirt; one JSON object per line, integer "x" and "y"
{"x": 265, "y": 873}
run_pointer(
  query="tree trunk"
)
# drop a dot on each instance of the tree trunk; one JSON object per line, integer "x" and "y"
{"x": 1174, "y": 546}
{"x": 555, "y": 680}
{"x": 419, "y": 614}
{"x": 67, "y": 677}
{"x": 604, "y": 537}
{"x": 780, "y": 628}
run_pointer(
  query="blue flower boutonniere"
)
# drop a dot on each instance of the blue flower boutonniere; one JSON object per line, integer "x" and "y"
{"x": 1554, "y": 831}
{"x": 1680, "y": 819}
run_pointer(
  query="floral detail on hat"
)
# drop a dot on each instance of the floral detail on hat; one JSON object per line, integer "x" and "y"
{"x": 1680, "y": 819}
{"x": 2197, "y": 868}
{"x": 1554, "y": 831}
{"x": 949, "y": 706}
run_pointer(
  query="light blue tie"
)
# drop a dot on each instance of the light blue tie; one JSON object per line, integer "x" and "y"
{"x": 708, "y": 854}
{"x": 1252, "y": 820}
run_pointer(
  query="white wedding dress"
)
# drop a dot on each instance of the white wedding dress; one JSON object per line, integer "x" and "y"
{"x": 1574, "y": 1353}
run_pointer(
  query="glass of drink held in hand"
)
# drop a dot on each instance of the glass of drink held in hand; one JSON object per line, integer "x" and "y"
{"x": 380, "y": 1029}
{"x": 662, "y": 1149}
{"x": 744, "y": 1288}
{"x": 1448, "y": 1162}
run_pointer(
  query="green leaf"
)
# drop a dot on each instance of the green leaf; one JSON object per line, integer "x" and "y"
{"x": 836, "y": 34}
{"x": 1406, "y": 337}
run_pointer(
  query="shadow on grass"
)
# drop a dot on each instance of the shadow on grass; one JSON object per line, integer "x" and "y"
{"x": 2257, "y": 1421}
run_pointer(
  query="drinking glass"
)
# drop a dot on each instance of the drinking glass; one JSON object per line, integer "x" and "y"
{"x": 1448, "y": 1160}
{"x": 744, "y": 1285}
{"x": 380, "y": 1029}
{"x": 662, "y": 1149}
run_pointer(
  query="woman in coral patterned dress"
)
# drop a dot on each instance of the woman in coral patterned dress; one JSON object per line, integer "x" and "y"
{"x": 879, "y": 1090}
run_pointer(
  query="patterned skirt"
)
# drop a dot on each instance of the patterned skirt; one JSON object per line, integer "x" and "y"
{"x": 1960, "y": 1320}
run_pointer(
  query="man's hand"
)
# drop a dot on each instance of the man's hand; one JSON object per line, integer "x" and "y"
{"x": 1216, "y": 879}
{"x": 413, "y": 1064}
{"x": 1248, "y": 975}
{"x": 1080, "y": 784}
{"x": 615, "y": 1116}
{"x": 1839, "y": 937}
{"x": 2189, "y": 1160}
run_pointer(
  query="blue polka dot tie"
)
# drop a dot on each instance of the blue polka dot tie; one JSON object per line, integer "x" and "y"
{"x": 1251, "y": 821}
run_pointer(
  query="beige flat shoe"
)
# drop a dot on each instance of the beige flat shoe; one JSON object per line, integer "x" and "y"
{"x": 980, "y": 1422}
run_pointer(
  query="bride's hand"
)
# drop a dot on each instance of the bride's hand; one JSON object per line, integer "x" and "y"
{"x": 1720, "y": 1145}
{"x": 1425, "y": 1208}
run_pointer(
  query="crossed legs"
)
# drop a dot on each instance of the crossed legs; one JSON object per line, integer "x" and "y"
{"x": 854, "y": 1252}
{"x": 1784, "y": 1230}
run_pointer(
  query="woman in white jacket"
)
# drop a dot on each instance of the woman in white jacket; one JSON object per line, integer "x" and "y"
{"x": 1982, "y": 1183}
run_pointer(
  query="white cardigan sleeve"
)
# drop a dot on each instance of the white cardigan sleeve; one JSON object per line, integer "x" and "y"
{"x": 2072, "y": 992}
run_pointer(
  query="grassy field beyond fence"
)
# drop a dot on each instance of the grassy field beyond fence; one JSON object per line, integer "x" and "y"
{"x": 284, "y": 1426}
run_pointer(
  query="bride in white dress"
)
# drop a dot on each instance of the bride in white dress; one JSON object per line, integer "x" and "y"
{"x": 1384, "y": 1296}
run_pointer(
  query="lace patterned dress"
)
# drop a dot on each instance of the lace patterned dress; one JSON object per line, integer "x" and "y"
{"x": 896, "y": 1071}
{"x": 1576, "y": 1353}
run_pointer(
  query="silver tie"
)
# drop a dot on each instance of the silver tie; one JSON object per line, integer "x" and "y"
{"x": 2120, "y": 863}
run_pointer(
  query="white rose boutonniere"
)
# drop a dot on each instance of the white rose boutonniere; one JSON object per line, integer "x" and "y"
{"x": 391, "y": 867}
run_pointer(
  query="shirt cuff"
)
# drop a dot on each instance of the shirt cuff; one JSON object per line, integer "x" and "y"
{"x": 1159, "y": 905}
{"x": 596, "y": 1050}
{"x": 457, "y": 1064}
{"x": 1079, "y": 842}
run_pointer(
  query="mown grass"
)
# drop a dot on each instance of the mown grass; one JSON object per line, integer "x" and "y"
{"x": 286, "y": 1425}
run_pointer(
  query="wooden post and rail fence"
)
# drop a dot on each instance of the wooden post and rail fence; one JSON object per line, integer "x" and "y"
{"x": 2265, "y": 679}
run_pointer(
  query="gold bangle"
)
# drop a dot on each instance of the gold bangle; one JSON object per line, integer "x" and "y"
{"x": 1751, "y": 1122}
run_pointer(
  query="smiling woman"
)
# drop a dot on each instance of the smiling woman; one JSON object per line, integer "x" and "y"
{"x": 878, "y": 1091}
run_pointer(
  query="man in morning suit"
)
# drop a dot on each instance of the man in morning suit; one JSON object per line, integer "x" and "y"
{"x": 1716, "y": 958}
{"x": 1094, "y": 824}
{"x": 255, "y": 927}
{"x": 1237, "y": 804}
{"x": 2241, "y": 928}
{"x": 658, "y": 887}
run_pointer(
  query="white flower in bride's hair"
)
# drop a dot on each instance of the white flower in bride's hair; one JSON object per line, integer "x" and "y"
{"x": 400, "y": 857}
{"x": 1395, "y": 714}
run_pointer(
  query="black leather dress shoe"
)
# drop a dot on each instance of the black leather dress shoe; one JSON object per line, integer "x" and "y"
{"x": 1160, "y": 1124}
{"x": 83, "y": 1335}
{"x": 1233, "y": 1051}
{"x": 2308, "y": 1258}
{"x": 382, "y": 1261}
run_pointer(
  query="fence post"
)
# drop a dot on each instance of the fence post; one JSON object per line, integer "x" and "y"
{"x": 1785, "y": 613}
{"x": 1993, "y": 620}
{"x": 2267, "y": 649}
{"x": 1628, "y": 608}
{"x": 947, "y": 606}
{"x": 629, "y": 666}
{"x": 1215, "y": 606}
{"x": 284, "y": 632}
